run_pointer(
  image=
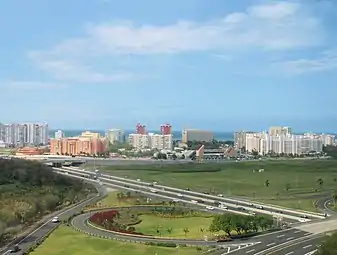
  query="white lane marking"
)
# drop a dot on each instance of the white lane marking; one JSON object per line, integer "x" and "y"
{"x": 289, "y": 238}
{"x": 58, "y": 215}
{"x": 6, "y": 252}
{"x": 307, "y": 246}
{"x": 280, "y": 236}
{"x": 270, "y": 244}
{"x": 289, "y": 253}
{"x": 228, "y": 249}
{"x": 297, "y": 231}
{"x": 250, "y": 251}
{"x": 311, "y": 252}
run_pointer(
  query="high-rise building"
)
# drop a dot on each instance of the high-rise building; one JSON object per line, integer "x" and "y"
{"x": 278, "y": 130}
{"x": 139, "y": 141}
{"x": 24, "y": 134}
{"x": 196, "y": 135}
{"x": 140, "y": 129}
{"x": 240, "y": 139}
{"x": 166, "y": 129}
{"x": 59, "y": 134}
{"x": 87, "y": 143}
{"x": 161, "y": 142}
{"x": 115, "y": 135}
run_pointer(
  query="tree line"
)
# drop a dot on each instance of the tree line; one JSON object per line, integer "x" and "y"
{"x": 240, "y": 224}
{"x": 29, "y": 190}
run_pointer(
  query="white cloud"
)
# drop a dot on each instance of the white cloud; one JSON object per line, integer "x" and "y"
{"x": 70, "y": 70}
{"x": 30, "y": 85}
{"x": 326, "y": 61}
{"x": 274, "y": 26}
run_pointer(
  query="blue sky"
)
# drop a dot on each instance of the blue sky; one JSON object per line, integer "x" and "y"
{"x": 220, "y": 65}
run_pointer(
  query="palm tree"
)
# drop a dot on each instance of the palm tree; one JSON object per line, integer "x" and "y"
{"x": 169, "y": 230}
{"x": 202, "y": 232}
{"x": 320, "y": 182}
{"x": 267, "y": 183}
{"x": 186, "y": 230}
{"x": 334, "y": 197}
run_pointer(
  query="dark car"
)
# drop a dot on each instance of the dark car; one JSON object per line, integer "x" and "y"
{"x": 16, "y": 248}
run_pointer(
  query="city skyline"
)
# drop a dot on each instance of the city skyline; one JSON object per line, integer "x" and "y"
{"x": 218, "y": 66}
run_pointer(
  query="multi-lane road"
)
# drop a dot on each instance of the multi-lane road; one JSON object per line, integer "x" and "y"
{"x": 228, "y": 204}
{"x": 28, "y": 240}
{"x": 291, "y": 241}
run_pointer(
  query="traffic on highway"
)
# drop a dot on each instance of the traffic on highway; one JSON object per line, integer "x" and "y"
{"x": 212, "y": 202}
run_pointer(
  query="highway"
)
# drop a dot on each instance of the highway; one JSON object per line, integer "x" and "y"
{"x": 289, "y": 240}
{"x": 27, "y": 241}
{"x": 290, "y": 243}
{"x": 232, "y": 204}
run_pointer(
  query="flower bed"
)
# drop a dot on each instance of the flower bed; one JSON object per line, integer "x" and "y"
{"x": 106, "y": 220}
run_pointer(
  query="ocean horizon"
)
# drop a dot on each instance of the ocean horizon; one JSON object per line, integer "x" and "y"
{"x": 220, "y": 136}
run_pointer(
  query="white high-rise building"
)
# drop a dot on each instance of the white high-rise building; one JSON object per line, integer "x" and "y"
{"x": 290, "y": 144}
{"x": 151, "y": 141}
{"x": 59, "y": 134}
{"x": 115, "y": 135}
{"x": 24, "y": 134}
{"x": 139, "y": 141}
{"x": 161, "y": 142}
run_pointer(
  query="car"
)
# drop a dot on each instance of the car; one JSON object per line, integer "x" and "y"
{"x": 223, "y": 239}
{"x": 15, "y": 248}
{"x": 194, "y": 201}
{"x": 209, "y": 207}
{"x": 153, "y": 190}
{"x": 252, "y": 213}
{"x": 259, "y": 207}
{"x": 55, "y": 219}
{"x": 138, "y": 180}
{"x": 179, "y": 195}
{"x": 220, "y": 195}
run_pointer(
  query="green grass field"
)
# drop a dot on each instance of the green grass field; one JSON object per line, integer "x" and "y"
{"x": 65, "y": 240}
{"x": 197, "y": 226}
{"x": 293, "y": 183}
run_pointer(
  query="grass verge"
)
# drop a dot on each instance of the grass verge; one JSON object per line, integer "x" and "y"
{"x": 65, "y": 240}
{"x": 295, "y": 182}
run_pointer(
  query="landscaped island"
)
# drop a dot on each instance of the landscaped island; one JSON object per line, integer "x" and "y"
{"x": 30, "y": 190}
{"x": 178, "y": 222}
{"x": 291, "y": 183}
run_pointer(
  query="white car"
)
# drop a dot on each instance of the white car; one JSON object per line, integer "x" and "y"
{"x": 153, "y": 190}
{"x": 179, "y": 195}
{"x": 209, "y": 207}
{"x": 55, "y": 220}
{"x": 220, "y": 195}
{"x": 194, "y": 201}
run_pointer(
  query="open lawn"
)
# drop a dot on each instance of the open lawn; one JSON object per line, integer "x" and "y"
{"x": 65, "y": 240}
{"x": 115, "y": 200}
{"x": 195, "y": 227}
{"x": 288, "y": 180}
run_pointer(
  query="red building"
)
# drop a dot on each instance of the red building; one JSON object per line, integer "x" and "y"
{"x": 140, "y": 129}
{"x": 166, "y": 129}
